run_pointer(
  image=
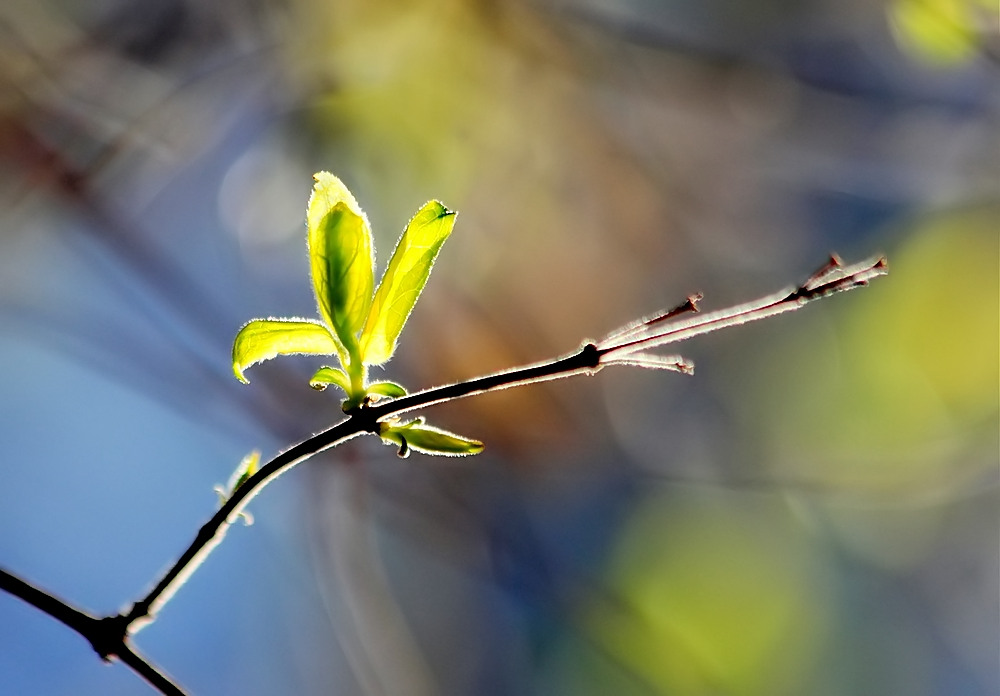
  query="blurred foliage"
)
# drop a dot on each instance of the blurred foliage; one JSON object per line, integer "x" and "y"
{"x": 944, "y": 32}
{"x": 904, "y": 400}
{"x": 718, "y": 594}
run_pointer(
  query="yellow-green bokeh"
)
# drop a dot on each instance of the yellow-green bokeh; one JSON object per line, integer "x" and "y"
{"x": 902, "y": 395}
{"x": 942, "y": 32}
{"x": 714, "y": 592}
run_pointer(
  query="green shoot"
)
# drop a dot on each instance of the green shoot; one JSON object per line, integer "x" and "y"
{"x": 248, "y": 466}
{"x": 358, "y": 326}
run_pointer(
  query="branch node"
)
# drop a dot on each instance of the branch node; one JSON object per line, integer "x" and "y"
{"x": 590, "y": 356}
{"x": 108, "y": 636}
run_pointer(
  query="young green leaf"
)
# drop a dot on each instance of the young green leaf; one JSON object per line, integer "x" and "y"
{"x": 416, "y": 435}
{"x": 327, "y": 375}
{"x": 403, "y": 281}
{"x": 248, "y": 467}
{"x": 340, "y": 257}
{"x": 263, "y": 339}
{"x": 390, "y": 389}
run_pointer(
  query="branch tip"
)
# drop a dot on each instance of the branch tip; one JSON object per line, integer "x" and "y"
{"x": 820, "y": 274}
{"x": 626, "y": 344}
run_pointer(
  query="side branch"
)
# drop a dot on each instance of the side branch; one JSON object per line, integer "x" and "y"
{"x": 79, "y": 621}
{"x": 213, "y": 531}
{"x": 625, "y": 346}
{"x": 364, "y": 420}
{"x": 629, "y": 345}
{"x": 584, "y": 361}
{"x": 102, "y": 634}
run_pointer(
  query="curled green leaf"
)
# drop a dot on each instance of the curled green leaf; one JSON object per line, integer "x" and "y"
{"x": 263, "y": 339}
{"x": 404, "y": 280}
{"x": 327, "y": 375}
{"x": 418, "y": 436}
{"x": 247, "y": 467}
{"x": 341, "y": 258}
{"x": 390, "y": 389}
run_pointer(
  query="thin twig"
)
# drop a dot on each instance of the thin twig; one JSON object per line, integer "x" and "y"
{"x": 110, "y": 635}
{"x": 213, "y": 531}
{"x": 79, "y": 621}
{"x": 831, "y": 278}
{"x": 363, "y": 420}
{"x": 625, "y": 346}
{"x": 100, "y": 633}
{"x": 145, "y": 669}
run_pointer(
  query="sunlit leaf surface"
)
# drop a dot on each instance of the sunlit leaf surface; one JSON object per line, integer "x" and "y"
{"x": 341, "y": 258}
{"x": 404, "y": 280}
{"x": 391, "y": 389}
{"x": 430, "y": 440}
{"x": 327, "y": 375}
{"x": 263, "y": 339}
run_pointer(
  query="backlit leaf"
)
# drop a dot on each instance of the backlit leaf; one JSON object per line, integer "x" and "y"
{"x": 390, "y": 389}
{"x": 263, "y": 339}
{"x": 248, "y": 467}
{"x": 418, "y": 436}
{"x": 404, "y": 279}
{"x": 327, "y": 375}
{"x": 341, "y": 259}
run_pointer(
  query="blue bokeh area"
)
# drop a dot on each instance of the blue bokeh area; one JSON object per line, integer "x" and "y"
{"x": 813, "y": 512}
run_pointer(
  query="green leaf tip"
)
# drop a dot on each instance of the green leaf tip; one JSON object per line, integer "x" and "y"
{"x": 417, "y": 435}
{"x": 327, "y": 375}
{"x": 404, "y": 280}
{"x": 390, "y": 389}
{"x": 357, "y": 323}
{"x": 247, "y": 467}
{"x": 263, "y": 339}
{"x": 341, "y": 258}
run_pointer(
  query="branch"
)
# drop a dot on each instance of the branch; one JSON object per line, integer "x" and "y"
{"x": 213, "y": 531}
{"x": 102, "y": 634}
{"x": 625, "y": 346}
{"x": 629, "y": 345}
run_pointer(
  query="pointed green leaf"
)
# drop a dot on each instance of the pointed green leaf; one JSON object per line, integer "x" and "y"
{"x": 341, "y": 259}
{"x": 327, "y": 375}
{"x": 403, "y": 281}
{"x": 263, "y": 339}
{"x": 427, "y": 439}
{"x": 390, "y": 389}
{"x": 248, "y": 467}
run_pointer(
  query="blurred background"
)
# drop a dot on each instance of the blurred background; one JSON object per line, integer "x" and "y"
{"x": 815, "y": 512}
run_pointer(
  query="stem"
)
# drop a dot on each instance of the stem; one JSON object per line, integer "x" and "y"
{"x": 79, "y": 621}
{"x": 109, "y": 636}
{"x": 583, "y": 361}
{"x": 830, "y": 278}
{"x": 102, "y": 634}
{"x": 213, "y": 531}
{"x": 362, "y": 420}
{"x": 147, "y": 671}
